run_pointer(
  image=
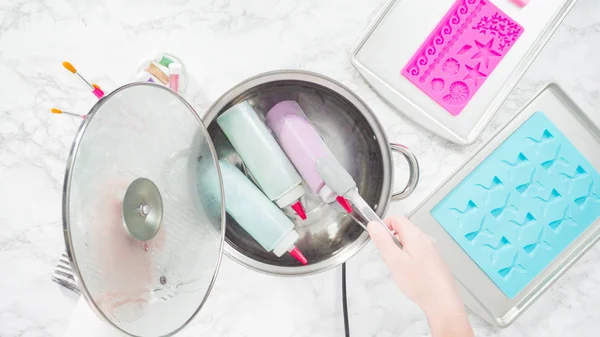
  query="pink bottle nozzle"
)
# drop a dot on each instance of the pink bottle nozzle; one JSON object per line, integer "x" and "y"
{"x": 297, "y": 254}
{"x": 299, "y": 209}
{"x": 344, "y": 203}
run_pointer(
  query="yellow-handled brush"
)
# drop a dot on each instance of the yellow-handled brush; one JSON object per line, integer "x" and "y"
{"x": 61, "y": 112}
{"x": 95, "y": 88}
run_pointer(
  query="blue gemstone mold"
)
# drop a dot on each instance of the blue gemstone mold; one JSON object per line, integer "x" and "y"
{"x": 525, "y": 203}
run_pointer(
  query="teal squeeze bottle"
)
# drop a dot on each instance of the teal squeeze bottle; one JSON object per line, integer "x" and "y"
{"x": 261, "y": 153}
{"x": 252, "y": 210}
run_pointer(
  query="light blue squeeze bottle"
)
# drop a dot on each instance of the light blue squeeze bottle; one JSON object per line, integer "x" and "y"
{"x": 262, "y": 155}
{"x": 252, "y": 210}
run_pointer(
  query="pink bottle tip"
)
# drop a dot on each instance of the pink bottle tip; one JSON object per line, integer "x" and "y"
{"x": 344, "y": 203}
{"x": 299, "y": 210}
{"x": 297, "y": 254}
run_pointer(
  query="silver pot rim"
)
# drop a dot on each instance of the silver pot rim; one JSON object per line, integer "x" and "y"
{"x": 229, "y": 98}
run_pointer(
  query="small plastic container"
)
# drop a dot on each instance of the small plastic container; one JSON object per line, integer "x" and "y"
{"x": 262, "y": 155}
{"x": 174, "y": 74}
{"x": 252, "y": 210}
{"x": 161, "y": 61}
{"x": 303, "y": 146}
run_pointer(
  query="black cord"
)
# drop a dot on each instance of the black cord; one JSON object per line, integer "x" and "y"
{"x": 345, "y": 302}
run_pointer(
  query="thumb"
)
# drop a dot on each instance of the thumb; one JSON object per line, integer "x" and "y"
{"x": 384, "y": 243}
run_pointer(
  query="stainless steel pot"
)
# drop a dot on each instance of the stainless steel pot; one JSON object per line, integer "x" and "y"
{"x": 357, "y": 139}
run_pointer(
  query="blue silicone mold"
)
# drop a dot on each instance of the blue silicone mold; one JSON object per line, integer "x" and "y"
{"x": 525, "y": 203}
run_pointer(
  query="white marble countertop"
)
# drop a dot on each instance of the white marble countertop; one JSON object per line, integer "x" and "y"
{"x": 223, "y": 42}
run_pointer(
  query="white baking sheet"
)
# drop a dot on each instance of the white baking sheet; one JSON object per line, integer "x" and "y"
{"x": 403, "y": 26}
{"x": 479, "y": 292}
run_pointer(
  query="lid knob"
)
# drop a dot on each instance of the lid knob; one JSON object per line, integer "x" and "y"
{"x": 142, "y": 209}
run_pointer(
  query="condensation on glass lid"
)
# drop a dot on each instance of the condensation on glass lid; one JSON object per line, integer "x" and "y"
{"x": 146, "y": 245}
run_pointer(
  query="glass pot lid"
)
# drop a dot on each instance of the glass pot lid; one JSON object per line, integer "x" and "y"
{"x": 143, "y": 212}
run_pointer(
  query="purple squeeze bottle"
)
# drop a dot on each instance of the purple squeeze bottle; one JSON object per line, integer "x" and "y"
{"x": 304, "y": 146}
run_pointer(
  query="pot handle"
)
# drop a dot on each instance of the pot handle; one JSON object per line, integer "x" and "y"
{"x": 413, "y": 166}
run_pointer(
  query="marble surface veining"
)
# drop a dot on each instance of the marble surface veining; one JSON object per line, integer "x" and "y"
{"x": 223, "y": 42}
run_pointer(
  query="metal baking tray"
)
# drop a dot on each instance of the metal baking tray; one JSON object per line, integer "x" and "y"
{"x": 403, "y": 25}
{"x": 479, "y": 292}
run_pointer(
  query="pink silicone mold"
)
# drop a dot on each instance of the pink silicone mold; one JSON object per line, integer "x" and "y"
{"x": 461, "y": 52}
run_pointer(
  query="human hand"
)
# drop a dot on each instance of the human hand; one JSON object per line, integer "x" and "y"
{"x": 420, "y": 272}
